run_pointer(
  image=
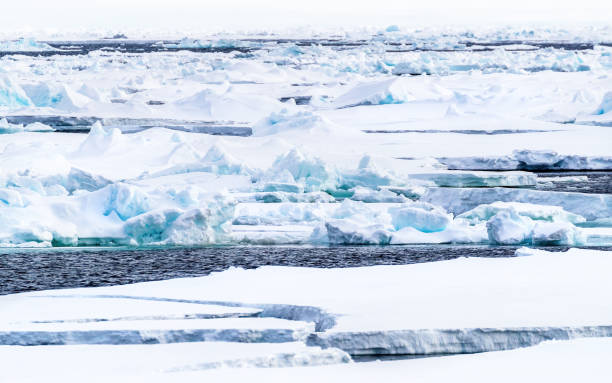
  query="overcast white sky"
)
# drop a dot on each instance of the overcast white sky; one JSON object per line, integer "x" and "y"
{"x": 232, "y": 14}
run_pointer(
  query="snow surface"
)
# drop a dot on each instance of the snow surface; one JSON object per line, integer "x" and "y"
{"x": 75, "y": 309}
{"x": 106, "y": 362}
{"x": 568, "y": 361}
{"x": 185, "y": 328}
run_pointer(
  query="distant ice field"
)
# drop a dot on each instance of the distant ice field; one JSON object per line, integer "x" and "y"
{"x": 358, "y": 137}
{"x": 246, "y": 45}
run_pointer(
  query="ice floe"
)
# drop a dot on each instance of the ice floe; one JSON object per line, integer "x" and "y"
{"x": 103, "y": 362}
{"x": 427, "y": 308}
{"x": 561, "y": 361}
{"x": 460, "y": 200}
{"x": 531, "y": 160}
{"x": 25, "y": 45}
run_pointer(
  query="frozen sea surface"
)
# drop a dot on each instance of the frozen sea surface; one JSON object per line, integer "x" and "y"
{"x": 240, "y": 178}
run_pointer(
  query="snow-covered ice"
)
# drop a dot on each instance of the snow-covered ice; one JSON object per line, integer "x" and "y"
{"x": 568, "y": 361}
{"x": 392, "y": 135}
{"x": 196, "y": 325}
{"x": 369, "y": 155}
{"x": 426, "y": 308}
{"x": 364, "y": 135}
{"x": 106, "y": 362}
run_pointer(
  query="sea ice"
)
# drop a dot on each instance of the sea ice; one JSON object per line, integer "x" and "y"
{"x": 11, "y": 93}
{"x": 421, "y": 216}
{"x": 425, "y": 308}
{"x": 100, "y": 363}
{"x": 478, "y": 179}
{"x": 535, "y": 212}
{"x": 392, "y": 91}
{"x": 606, "y": 104}
{"x": 559, "y": 361}
{"x": 530, "y": 160}
{"x": 25, "y": 45}
{"x": 309, "y": 171}
{"x": 287, "y": 122}
{"x": 460, "y": 200}
{"x": 557, "y": 234}
{"x": 387, "y": 139}
{"x": 99, "y": 140}
{"x": 228, "y": 105}
{"x": 509, "y": 228}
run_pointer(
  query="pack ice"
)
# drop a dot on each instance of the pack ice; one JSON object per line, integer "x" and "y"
{"x": 374, "y": 136}
{"x": 221, "y": 139}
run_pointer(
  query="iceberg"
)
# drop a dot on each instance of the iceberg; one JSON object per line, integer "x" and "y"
{"x": 311, "y": 172}
{"x": 118, "y": 213}
{"x": 69, "y": 100}
{"x": 532, "y": 211}
{"x": 280, "y": 213}
{"x": 174, "y": 226}
{"x": 12, "y": 94}
{"x": 509, "y": 228}
{"x": 41, "y": 94}
{"x": 557, "y": 234}
{"x": 421, "y": 216}
{"x": 125, "y": 200}
{"x": 7, "y": 128}
{"x": 456, "y": 232}
{"x": 195, "y": 227}
{"x": 368, "y": 174}
{"x": 287, "y": 187}
{"x": 10, "y": 197}
{"x": 64, "y": 182}
{"x": 347, "y": 232}
{"x": 219, "y": 161}
{"x": 606, "y": 104}
{"x": 514, "y": 223}
{"x": 364, "y": 194}
{"x": 150, "y": 227}
{"x": 100, "y": 139}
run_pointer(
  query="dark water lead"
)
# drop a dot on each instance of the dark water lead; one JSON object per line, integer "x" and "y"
{"x": 40, "y": 269}
{"x": 119, "y": 43}
{"x": 456, "y": 131}
{"x": 70, "y": 124}
{"x": 599, "y": 182}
